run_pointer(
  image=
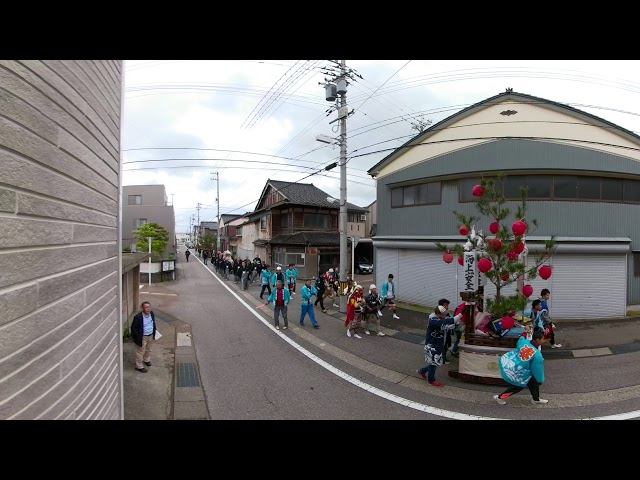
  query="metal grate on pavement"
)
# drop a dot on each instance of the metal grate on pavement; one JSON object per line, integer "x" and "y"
{"x": 187, "y": 375}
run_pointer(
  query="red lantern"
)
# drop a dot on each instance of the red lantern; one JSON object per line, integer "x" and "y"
{"x": 448, "y": 257}
{"x": 478, "y": 191}
{"x": 507, "y": 322}
{"x": 495, "y": 244}
{"x": 518, "y": 228}
{"x": 484, "y": 265}
{"x": 494, "y": 227}
{"x": 544, "y": 272}
{"x": 464, "y": 230}
{"x": 527, "y": 290}
{"x": 460, "y": 261}
{"x": 505, "y": 276}
{"x": 518, "y": 247}
{"x": 512, "y": 256}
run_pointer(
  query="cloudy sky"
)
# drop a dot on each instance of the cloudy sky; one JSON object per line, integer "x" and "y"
{"x": 254, "y": 120}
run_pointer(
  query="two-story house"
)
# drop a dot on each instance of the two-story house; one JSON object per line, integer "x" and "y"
{"x": 147, "y": 204}
{"x": 298, "y": 223}
{"x": 226, "y": 230}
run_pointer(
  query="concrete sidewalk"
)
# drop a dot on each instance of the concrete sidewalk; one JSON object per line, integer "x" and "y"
{"x": 171, "y": 389}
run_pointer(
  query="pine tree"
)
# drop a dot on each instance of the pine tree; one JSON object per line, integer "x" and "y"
{"x": 505, "y": 245}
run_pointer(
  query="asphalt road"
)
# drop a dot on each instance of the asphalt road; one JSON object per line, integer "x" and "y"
{"x": 250, "y": 371}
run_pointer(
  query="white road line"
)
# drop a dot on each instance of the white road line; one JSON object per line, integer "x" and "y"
{"x": 379, "y": 392}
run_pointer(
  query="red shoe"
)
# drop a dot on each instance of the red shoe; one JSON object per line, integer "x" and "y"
{"x": 423, "y": 375}
{"x": 436, "y": 384}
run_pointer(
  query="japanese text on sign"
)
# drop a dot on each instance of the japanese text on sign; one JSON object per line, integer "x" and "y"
{"x": 470, "y": 272}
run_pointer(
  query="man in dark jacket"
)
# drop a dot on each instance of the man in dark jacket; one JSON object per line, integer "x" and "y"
{"x": 143, "y": 331}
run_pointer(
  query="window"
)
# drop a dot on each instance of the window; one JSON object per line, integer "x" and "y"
{"x": 589, "y": 188}
{"x": 612, "y": 189}
{"x": 636, "y": 264}
{"x": 312, "y": 220}
{"x": 420, "y": 194}
{"x": 409, "y": 195}
{"x": 263, "y": 222}
{"x": 565, "y": 186}
{"x": 538, "y": 186}
{"x": 135, "y": 199}
{"x": 238, "y": 231}
{"x": 138, "y": 222}
{"x": 284, "y": 220}
{"x": 631, "y": 189}
{"x": 363, "y": 217}
{"x": 465, "y": 186}
{"x": 396, "y": 197}
{"x": 296, "y": 258}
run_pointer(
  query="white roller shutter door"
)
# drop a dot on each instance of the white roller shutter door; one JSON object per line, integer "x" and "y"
{"x": 386, "y": 262}
{"x": 588, "y": 286}
{"x": 425, "y": 277}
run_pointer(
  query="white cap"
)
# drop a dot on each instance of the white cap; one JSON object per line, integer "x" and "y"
{"x": 331, "y": 270}
{"x": 372, "y": 286}
{"x": 441, "y": 309}
{"x": 278, "y": 268}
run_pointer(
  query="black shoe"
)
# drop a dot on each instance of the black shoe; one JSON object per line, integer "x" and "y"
{"x": 148, "y": 364}
{"x": 143, "y": 370}
{"x": 316, "y": 326}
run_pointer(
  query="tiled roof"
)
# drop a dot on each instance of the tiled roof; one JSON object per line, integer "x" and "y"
{"x": 307, "y": 238}
{"x": 308, "y": 194}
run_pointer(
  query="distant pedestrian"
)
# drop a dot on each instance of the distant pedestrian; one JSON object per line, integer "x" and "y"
{"x": 389, "y": 296}
{"x": 205, "y": 256}
{"x": 372, "y": 303}
{"x": 143, "y": 330}
{"x": 523, "y": 367}
{"x": 306, "y": 307}
{"x": 355, "y": 308}
{"x": 265, "y": 278}
{"x": 439, "y": 321}
{"x": 291, "y": 274}
{"x": 278, "y": 275}
{"x": 549, "y": 333}
{"x": 187, "y": 254}
{"x": 320, "y": 285}
{"x": 280, "y": 298}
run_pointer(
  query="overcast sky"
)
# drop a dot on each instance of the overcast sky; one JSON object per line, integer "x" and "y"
{"x": 253, "y": 120}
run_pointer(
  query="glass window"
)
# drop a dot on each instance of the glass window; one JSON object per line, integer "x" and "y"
{"x": 284, "y": 220}
{"x": 138, "y": 222}
{"x": 297, "y": 258}
{"x": 465, "y": 187}
{"x": 612, "y": 189}
{"x": 312, "y": 220}
{"x": 263, "y": 222}
{"x": 513, "y": 185}
{"x": 409, "y": 195}
{"x": 565, "y": 186}
{"x": 539, "y": 186}
{"x": 434, "y": 193}
{"x": 636, "y": 264}
{"x": 589, "y": 188}
{"x": 396, "y": 197}
{"x": 631, "y": 189}
{"x": 423, "y": 193}
{"x": 135, "y": 199}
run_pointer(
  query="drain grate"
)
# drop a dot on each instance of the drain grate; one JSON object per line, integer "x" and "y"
{"x": 187, "y": 375}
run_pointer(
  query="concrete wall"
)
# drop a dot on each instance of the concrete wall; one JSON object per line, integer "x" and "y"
{"x": 154, "y": 208}
{"x": 60, "y": 336}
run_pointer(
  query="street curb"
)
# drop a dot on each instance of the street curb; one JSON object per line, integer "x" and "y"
{"x": 189, "y": 401}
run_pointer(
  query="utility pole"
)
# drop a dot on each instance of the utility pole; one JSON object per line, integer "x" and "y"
{"x": 342, "y": 114}
{"x": 217, "y": 179}
{"x": 337, "y": 84}
{"x": 198, "y": 234}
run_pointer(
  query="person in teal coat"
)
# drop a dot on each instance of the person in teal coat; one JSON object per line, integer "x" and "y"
{"x": 523, "y": 367}
{"x": 291, "y": 273}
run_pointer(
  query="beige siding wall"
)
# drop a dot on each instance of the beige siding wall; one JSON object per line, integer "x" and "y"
{"x": 531, "y": 120}
{"x": 60, "y": 340}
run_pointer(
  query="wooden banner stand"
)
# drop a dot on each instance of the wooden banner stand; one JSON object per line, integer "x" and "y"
{"x": 479, "y": 354}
